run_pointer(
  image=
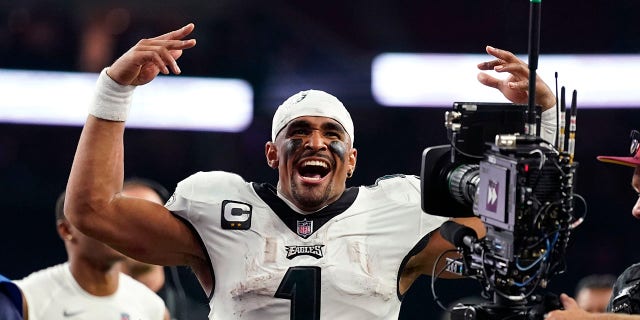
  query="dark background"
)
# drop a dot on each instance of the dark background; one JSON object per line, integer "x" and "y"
{"x": 281, "y": 47}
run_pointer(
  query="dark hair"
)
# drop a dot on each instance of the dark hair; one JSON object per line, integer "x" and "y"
{"x": 596, "y": 281}
{"x": 60, "y": 208}
{"x": 151, "y": 184}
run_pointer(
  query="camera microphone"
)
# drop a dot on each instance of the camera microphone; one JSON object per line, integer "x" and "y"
{"x": 459, "y": 235}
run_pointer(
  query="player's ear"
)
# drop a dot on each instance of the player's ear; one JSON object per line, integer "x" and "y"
{"x": 353, "y": 157}
{"x": 64, "y": 230}
{"x": 271, "y": 153}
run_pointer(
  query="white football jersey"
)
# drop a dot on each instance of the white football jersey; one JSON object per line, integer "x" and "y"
{"x": 270, "y": 262}
{"x": 53, "y": 294}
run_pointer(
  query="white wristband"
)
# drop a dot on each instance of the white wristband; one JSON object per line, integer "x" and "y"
{"x": 548, "y": 124}
{"x": 111, "y": 100}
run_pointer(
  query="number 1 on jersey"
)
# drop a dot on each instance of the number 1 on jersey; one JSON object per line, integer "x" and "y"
{"x": 301, "y": 285}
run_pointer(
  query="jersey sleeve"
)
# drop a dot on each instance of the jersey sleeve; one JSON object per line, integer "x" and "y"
{"x": 548, "y": 120}
{"x": 32, "y": 296}
{"x": 201, "y": 188}
{"x": 39, "y": 289}
{"x": 405, "y": 190}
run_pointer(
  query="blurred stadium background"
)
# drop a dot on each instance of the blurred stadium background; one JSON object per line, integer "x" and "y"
{"x": 280, "y": 47}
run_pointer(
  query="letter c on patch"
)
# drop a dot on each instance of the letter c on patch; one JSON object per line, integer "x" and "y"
{"x": 236, "y": 215}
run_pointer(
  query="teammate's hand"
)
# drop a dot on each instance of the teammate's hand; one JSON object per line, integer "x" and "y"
{"x": 516, "y": 86}
{"x": 148, "y": 57}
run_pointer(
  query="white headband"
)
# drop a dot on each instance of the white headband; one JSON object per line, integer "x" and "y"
{"x": 313, "y": 103}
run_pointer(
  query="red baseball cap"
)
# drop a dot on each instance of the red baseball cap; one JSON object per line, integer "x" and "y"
{"x": 634, "y": 150}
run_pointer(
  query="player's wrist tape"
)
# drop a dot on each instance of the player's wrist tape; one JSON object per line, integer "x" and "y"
{"x": 111, "y": 100}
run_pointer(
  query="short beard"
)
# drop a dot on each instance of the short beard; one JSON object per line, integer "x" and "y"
{"x": 313, "y": 201}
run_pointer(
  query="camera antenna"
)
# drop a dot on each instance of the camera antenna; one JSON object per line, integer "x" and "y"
{"x": 572, "y": 125}
{"x": 563, "y": 120}
{"x": 534, "y": 51}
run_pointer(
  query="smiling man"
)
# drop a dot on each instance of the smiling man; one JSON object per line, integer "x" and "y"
{"x": 315, "y": 134}
{"x": 309, "y": 248}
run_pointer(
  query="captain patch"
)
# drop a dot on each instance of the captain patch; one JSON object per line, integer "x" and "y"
{"x": 235, "y": 215}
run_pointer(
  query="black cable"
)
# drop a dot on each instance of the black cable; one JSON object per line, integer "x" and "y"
{"x": 435, "y": 276}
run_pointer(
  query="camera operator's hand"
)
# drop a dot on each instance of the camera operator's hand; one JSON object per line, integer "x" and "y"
{"x": 571, "y": 310}
{"x": 516, "y": 86}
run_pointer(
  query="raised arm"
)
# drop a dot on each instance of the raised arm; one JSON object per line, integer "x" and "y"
{"x": 139, "y": 228}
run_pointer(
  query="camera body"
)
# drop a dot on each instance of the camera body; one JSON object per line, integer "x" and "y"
{"x": 471, "y": 127}
{"x": 525, "y": 199}
{"x": 522, "y": 190}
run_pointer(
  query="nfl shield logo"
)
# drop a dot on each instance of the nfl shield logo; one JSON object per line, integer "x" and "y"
{"x": 305, "y": 228}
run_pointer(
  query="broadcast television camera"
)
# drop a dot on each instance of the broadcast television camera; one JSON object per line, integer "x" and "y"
{"x": 521, "y": 187}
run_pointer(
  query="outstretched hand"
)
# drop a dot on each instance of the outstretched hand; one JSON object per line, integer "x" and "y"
{"x": 516, "y": 86}
{"x": 144, "y": 61}
{"x": 571, "y": 310}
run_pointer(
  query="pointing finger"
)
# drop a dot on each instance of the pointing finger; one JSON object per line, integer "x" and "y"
{"x": 177, "y": 34}
{"x": 501, "y": 54}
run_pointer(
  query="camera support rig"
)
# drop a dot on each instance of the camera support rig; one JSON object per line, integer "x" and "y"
{"x": 522, "y": 190}
{"x": 519, "y": 185}
{"x": 525, "y": 199}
